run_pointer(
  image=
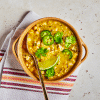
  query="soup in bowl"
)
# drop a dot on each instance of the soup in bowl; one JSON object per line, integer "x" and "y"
{"x": 55, "y": 44}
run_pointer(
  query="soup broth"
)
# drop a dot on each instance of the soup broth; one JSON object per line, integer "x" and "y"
{"x": 55, "y": 47}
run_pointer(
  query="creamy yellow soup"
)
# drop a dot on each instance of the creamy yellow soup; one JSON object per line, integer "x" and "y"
{"x": 51, "y": 41}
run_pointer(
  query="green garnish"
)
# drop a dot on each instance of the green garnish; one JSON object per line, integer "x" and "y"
{"x": 41, "y": 51}
{"x": 44, "y": 33}
{"x": 50, "y": 72}
{"x": 68, "y": 52}
{"x": 70, "y": 40}
{"x": 67, "y": 45}
{"x": 48, "y": 40}
{"x": 58, "y": 37}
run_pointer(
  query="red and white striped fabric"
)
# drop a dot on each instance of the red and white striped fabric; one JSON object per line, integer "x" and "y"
{"x": 18, "y": 79}
{"x": 15, "y": 80}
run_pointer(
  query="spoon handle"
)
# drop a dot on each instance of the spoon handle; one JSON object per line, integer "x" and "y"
{"x": 41, "y": 79}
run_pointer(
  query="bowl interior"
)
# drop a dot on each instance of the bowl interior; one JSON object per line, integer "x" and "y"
{"x": 22, "y": 38}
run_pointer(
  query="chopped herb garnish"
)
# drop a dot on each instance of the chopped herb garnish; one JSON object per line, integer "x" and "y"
{"x": 58, "y": 37}
{"x": 70, "y": 40}
{"x": 50, "y": 72}
{"x": 68, "y": 52}
{"x": 41, "y": 51}
{"x": 67, "y": 45}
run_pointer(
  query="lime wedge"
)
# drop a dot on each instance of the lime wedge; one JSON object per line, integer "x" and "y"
{"x": 48, "y": 63}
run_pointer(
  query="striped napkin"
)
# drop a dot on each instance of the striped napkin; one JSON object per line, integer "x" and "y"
{"x": 16, "y": 84}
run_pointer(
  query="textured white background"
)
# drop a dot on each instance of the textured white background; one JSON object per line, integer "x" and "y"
{"x": 84, "y": 15}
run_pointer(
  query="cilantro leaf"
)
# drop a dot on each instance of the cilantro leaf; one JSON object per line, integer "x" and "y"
{"x": 38, "y": 55}
{"x": 41, "y": 51}
{"x": 67, "y": 45}
{"x": 45, "y": 50}
{"x": 58, "y": 37}
{"x": 43, "y": 54}
{"x": 50, "y": 72}
{"x": 70, "y": 40}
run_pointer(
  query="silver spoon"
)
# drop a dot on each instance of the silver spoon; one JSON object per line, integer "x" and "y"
{"x": 39, "y": 72}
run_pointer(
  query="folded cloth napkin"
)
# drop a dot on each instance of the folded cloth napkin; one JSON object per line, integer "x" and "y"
{"x": 16, "y": 84}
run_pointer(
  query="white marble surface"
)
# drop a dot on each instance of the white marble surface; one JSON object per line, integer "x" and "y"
{"x": 84, "y": 15}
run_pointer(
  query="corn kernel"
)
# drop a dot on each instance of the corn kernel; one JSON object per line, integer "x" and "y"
{"x": 31, "y": 69}
{"x": 70, "y": 64}
{"x": 32, "y": 62}
{"x": 31, "y": 31}
{"x": 44, "y": 23}
{"x": 55, "y": 22}
{"x": 48, "y": 48}
{"x": 60, "y": 47}
{"x": 26, "y": 64}
{"x": 42, "y": 72}
{"x": 55, "y": 29}
{"x": 50, "y": 22}
{"x": 38, "y": 43}
{"x": 73, "y": 60}
{"x": 29, "y": 39}
{"x": 35, "y": 28}
{"x": 37, "y": 32}
{"x": 75, "y": 55}
{"x": 27, "y": 58}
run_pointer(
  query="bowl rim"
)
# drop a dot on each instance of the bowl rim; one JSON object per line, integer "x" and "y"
{"x": 19, "y": 48}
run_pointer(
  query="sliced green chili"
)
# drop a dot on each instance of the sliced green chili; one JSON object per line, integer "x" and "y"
{"x": 48, "y": 40}
{"x": 44, "y": 33}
